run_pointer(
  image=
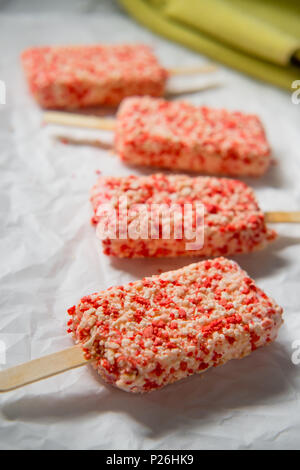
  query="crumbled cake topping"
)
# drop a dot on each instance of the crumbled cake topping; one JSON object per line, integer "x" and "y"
{"x": 233, "y": 221}
{"x": 177, "y": 134}
{"x": 152, "y": 332}
{"x": 78, "y": 76}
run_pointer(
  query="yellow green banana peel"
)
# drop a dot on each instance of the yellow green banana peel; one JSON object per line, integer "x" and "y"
{"x": 258, "y": 37}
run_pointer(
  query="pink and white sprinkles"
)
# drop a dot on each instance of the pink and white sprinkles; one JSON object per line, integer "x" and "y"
{"x": 150, "y": 333}
{"x": 233, "y": 221}
{"x": 178, "y": 135}
{"x": 79, "y": 76}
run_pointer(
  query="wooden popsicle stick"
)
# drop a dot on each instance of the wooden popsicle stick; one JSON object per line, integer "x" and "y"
{"x": 282, "y": 217}
{"x": 42, "y": 368}
{"x": 91, "y": 142}
{"x": 190, "y": 89}
{"x": 192, "y": 70}
{"x": 78, "y": 120}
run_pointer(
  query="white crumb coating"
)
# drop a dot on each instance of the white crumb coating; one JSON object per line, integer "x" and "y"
{"x": 233, "y": 221}
{"x": 69, "y": 77}
{"x": 179, "y": 135}
{"x": 150, "y": 333}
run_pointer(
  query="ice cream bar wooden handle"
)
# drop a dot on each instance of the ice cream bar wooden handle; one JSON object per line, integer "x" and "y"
{"x": 193, "y": 69}
{"x": 42, "y": 368}
{"x": 283, "y": 217}
{"x": 178, "y": 91}
{"x": 78, "y": 120}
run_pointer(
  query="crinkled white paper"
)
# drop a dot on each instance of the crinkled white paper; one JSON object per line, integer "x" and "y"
{"x": 50, "y": 258}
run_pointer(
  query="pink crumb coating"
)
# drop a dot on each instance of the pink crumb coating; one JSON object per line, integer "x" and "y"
{"x": 233, "y": 221}
{"x": 178, "y": 135}
{"x": 80, "y": 76}
{"x": 150, "y": 333}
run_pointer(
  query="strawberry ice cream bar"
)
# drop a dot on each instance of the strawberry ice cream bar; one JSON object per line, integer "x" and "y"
{"x": 178, "y": 135}
{"x": 153, "y": 332}
{"x": 233, "y": 221}
{"x": 75, "y": 77}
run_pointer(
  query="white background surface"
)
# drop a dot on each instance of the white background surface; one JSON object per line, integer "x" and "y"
{"x": 50, "y": 258}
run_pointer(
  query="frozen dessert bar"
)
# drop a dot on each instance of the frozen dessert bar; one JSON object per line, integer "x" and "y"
{"x": 179, "y": 135}
{"x": 233, "y": 222}
{"x": 150, "y": 333}
{"x": 75, "y": 77}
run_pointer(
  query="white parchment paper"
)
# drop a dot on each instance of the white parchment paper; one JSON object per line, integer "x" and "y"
{"x": 50, "y": 258}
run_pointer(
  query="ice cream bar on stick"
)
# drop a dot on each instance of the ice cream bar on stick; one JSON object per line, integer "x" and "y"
{"x": 159, "y": 208}
{"x": 178, "y": 135}
{"x": 161, "y": 329}
{"x": 82, "y": 76}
